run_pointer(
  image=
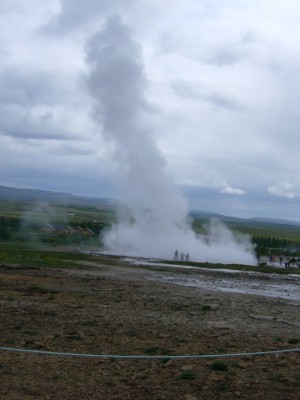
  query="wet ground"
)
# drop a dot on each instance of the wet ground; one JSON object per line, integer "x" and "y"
{"x": 110, "y": 306}
{"x": 230, "y": 281}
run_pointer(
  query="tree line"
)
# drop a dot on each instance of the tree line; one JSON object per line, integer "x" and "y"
{"x": 277, "y": 246}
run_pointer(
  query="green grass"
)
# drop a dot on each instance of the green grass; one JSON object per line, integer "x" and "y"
{"x": 24, "y": 255}
{"x": 206, "y": 307}
{"x": 294, "y": 341}
{"x": 218, "y": 366}
{"x": 187, "y": 375}
{"x": 70, "y": 213}
{"x": 27, "y": 256}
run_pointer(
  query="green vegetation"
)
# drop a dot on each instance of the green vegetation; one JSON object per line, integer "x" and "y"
{"x": 294, "y": 341}
{"x": 218, "y": 366}
{"x": 206, "y": 307}
{"x": 22, "y": 255}
{"x": 275, "y": 245}
{"x": 187, "y": 375}
{"x": 56, "y": 224}
{"x": 83, "y": 225}
{"x": 72, "y": 213}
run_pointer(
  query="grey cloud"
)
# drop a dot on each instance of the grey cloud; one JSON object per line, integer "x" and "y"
{"x": 227, "y": 54}
{"x": 20, "y": 86}
{"x": 250, "y": 75}
{"x": 198, "y": 92}
{"x": 231, "y": 53}
{"x": 20, "y": 123}
{"x": 225, "y": 57}
{"x": 29, "y": 98}
{"x": 253, "y": 204}
{"x": 58, "y": 177}
{"x": 76, "y": 12}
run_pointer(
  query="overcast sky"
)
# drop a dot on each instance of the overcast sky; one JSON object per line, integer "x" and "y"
{"x": 221, "y": 99}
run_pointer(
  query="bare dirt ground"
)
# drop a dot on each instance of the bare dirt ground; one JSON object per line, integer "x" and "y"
{"x": 111, "y": 307}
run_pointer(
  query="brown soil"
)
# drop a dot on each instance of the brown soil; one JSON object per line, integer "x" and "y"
{"x": 112, "y": 308}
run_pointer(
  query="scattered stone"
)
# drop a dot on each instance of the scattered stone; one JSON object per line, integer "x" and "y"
{"x": 262, "y": 317}
{"x": 169, "y": 363}
{"x": 187, "y": 368}
{"x": 164, "y": 335}
{"x": 190, "y": 397}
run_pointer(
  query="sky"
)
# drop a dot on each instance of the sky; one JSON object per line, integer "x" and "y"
{"x": 220, "y": 95}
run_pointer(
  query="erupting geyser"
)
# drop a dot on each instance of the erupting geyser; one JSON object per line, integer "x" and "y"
{"x": 156, "y": 220}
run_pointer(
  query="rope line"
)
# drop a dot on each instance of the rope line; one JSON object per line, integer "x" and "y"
{"x": 147, "y": 357}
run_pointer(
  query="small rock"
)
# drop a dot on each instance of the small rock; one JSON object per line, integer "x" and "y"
{"x": 187, "y": 368}
{"x": 190, "y": 397}
{"x": 164, "y": 335}
{"x": 169, "y": 363}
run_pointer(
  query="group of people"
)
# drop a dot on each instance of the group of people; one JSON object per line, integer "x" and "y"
{"x": 272, "y": 260}
{"x": 288, "y": 262}
{"x": 183, "y": 256}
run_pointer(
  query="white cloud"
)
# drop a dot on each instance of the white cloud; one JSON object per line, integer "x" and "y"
{"x": 211, "y": 182}
{"x": 283, "y": 189}
{"x": 233, "y": 191}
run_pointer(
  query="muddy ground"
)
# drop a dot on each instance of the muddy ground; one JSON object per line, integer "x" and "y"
{"x": 111, "y": 307}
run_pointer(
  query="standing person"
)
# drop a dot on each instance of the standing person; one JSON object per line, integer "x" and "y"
{"x": 280, "y": 260}
{"x": 273, "y": 259}
{"x": 182, "y": 256}
{"x": 176, "y": 255}
{"x": 187, "y": 256}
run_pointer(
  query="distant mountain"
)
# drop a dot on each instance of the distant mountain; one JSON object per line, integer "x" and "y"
{"x": 275, "y": 221}
{"x": 225, "y": 218}
{"x": 210, "y": 214}
{"x": 14, "y": 194}
{"x": 205, "y": 214}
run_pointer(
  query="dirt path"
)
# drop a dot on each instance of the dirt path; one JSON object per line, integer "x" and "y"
{"x": 117, "y": 308}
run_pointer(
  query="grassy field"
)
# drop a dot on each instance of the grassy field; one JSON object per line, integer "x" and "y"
{"x": 17, "y": 254}
{"x": 73, "y": 213}
{"x": 288, "y": 232}
{"x": 39, "y": 256}
{"x": 24, "y": 220}
{"x": 36, "y": 212}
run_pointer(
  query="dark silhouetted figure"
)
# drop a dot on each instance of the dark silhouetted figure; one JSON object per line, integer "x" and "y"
{"x": 176, "y": 255}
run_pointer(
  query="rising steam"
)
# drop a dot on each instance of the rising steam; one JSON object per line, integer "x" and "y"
{"x": 155, "y": 222}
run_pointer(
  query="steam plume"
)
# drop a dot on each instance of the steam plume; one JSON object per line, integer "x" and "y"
{"x": 156, "y": 220}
